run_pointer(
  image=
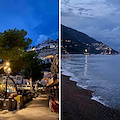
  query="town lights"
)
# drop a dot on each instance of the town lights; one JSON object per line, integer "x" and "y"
{"x": 85, "y": 50}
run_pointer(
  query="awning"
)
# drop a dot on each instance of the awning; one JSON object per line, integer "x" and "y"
{"x": 55, "y": 82}
{"x": 52, "y": 82}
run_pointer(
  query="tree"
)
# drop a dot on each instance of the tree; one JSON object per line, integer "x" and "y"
{"x": 13, "y": 46}
{"x": 33, "y": 66}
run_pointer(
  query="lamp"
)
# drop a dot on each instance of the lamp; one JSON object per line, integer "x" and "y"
{"x": 7, "y": 70}
{"x": 7, "y": 64}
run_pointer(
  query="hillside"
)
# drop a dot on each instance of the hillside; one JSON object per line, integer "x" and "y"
{"x": 75, "y": 42}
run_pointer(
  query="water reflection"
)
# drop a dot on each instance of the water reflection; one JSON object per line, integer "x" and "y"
{"x": 86, "y": 61}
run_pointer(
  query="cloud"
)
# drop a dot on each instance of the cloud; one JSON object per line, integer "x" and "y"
{"x": 87, "y": 8}
{"x": 97, "y": 18}
{"x": 106, "y": 33}
{"x": 43, "y": 37}
{"x": 31, "y": 15}
{"x": 107, "y": 36}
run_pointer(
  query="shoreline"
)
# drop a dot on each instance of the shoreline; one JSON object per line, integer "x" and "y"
{"x": 78, "y": 105}
{"x": 93, "y": 97}
{"x": 96, "y": 98}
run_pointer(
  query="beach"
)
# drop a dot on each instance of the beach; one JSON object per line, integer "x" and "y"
{"x": 78, "y": 105}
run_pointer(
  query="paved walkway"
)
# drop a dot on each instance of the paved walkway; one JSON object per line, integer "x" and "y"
{"x": 37, "y": 109}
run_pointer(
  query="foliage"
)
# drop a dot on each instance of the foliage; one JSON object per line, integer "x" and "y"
{"x": 29, "y": 64}
{"x": 13, "y": 47}
{"x": 13, "y": 44}
{"x": 33, "y": 66}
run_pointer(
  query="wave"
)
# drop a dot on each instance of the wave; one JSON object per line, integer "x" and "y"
{"x": 99, "y": 74}
{"x": 98, "y": 99}
{"x": 82, "y": 86}
{"x": 74, "y": 78}
{"x": 67, "y": 73}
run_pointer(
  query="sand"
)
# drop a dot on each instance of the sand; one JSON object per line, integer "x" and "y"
{"x": 78, "y": 105}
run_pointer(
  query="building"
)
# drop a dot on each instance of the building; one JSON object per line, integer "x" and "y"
{"x": 19, "y": 81}
{"x": 46, "y": 78}
{"x": 46, "y": 50}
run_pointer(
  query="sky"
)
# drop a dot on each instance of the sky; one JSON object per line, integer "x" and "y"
{"x": 100, "y": 19}
{"x": 38, "y": 17}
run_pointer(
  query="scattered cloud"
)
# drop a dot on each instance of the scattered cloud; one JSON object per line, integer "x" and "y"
{"x": 41, "y": 39}
{"x": 87, "y": 8}
{"x": 111, "y": 35}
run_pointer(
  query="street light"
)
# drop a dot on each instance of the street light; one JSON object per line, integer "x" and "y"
{"x": 7, "y": 70}
{"x": 7, "y": 64}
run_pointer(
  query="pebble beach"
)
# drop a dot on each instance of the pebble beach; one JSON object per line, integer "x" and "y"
{"x": 78, "y": 105}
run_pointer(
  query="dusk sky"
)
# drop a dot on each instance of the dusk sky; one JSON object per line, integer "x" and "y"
{"x": 38, "y": 17}
{"x": 99, "y": 19}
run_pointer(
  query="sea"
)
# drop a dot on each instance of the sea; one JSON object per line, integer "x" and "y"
{"x": 99, "y": 73}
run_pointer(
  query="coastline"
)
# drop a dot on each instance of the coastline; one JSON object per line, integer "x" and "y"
{"x": 84, "y": 87}
{"x": 78, "y": 105}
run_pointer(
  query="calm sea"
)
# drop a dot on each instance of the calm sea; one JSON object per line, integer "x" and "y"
{"x": 100, "y": 73}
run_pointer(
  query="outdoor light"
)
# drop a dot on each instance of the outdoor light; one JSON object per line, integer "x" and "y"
{"x": 7, "y": 64}
{"x": 7, "y": 68}
{"x": 85, "y": 50}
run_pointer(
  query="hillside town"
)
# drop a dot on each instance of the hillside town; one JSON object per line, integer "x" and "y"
{"x": 76, "y": 42}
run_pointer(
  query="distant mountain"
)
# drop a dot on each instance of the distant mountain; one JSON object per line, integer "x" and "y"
{"x": 75, "y": 42}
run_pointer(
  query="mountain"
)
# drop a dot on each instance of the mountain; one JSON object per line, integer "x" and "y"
{"x": 75, "y": 42}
